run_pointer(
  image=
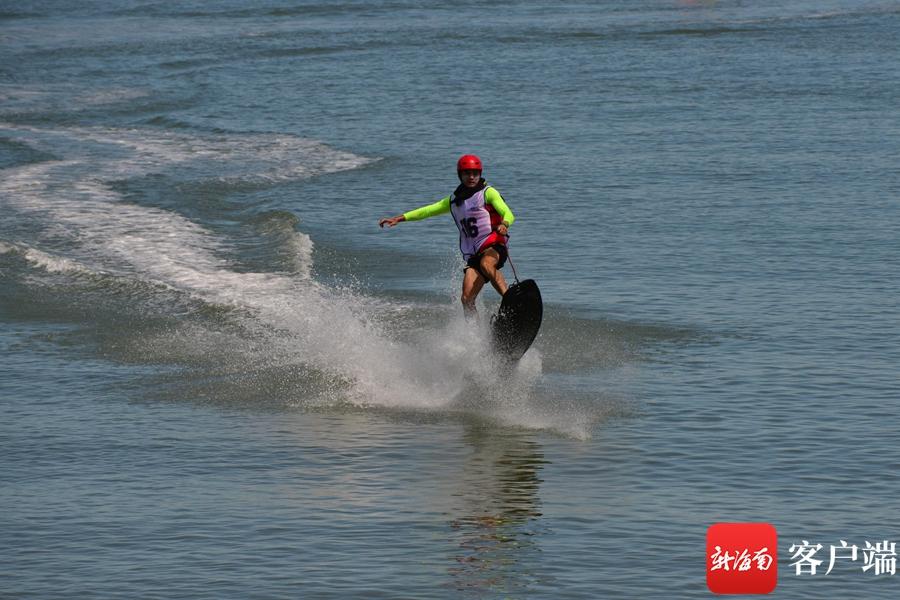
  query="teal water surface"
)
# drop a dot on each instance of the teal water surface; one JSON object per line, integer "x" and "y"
{"x": 221, "y": 379}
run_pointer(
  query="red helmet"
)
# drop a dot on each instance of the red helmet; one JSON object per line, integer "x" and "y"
{"x": 468, "y": 161}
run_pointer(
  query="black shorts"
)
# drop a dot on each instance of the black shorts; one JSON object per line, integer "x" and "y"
{"x": 475, "y": 261}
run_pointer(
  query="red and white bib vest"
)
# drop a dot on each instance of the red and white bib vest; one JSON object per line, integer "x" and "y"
{"x": 475, "y": 221}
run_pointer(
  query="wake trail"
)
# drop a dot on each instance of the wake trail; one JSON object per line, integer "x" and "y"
{"x": 88, "y": 227}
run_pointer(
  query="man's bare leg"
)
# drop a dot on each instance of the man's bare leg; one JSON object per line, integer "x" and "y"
{"x": 472, "y": 284}
{"x": 489, "y": 261}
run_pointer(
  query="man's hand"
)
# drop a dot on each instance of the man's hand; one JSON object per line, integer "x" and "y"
{"x": 391, "y": 221}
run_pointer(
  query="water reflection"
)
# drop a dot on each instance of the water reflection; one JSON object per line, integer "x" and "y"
{"x": 495, "y": 513}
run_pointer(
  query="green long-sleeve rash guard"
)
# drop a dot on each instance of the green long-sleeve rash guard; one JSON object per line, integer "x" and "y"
{"x": 491, "y": 196}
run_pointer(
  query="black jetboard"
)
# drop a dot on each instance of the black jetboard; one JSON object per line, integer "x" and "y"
{"x": 518, "y": 320}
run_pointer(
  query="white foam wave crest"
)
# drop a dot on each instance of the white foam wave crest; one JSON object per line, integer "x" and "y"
{"x": 45, "y": 260}
{"x": 302, "y": 321}
{"x": 132, "y": 152}
{"x": 302, "y": 248}
{"x": 54, "y": 264}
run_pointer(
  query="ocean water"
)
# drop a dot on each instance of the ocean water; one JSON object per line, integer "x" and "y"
{"x": 221, "y": 379}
